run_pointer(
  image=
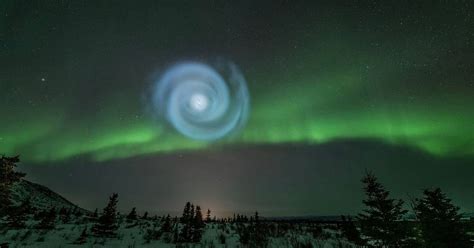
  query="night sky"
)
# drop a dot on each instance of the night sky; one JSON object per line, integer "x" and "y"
{"x": 335, "y": 89}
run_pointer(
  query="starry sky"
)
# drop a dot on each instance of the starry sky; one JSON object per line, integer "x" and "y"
{"x": 335, "y": 88}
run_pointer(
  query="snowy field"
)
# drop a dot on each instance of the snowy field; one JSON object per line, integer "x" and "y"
{"x": 137, "y": 235}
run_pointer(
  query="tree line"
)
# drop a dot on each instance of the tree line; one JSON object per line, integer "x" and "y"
{"x": 384, "y": 221}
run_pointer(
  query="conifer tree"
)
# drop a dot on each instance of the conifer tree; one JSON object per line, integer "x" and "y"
{"x": 186, "y": 213}
{"x": 191, "y": 213}
{"x": 381, "y": 221}
{"x": 8, "y": 177}
{"x": 187, "y": 218}
{"x": 192, "y": 224}
{"x": 198, "y": 222}
{"x": 440, "y": 221}
{"x": 95, "y": 215}
{"x": 208, "y": 215}
{"x": 107, "y": 223}
{"x": 166, "y": 226}
{"x": 132, "y": 215}
{"x": 197, "y": 225}
{"x": 258, "y": 235}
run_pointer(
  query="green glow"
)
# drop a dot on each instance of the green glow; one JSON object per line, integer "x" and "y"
{"x": 281, "y": 116}
{"x": 329, "y": 90}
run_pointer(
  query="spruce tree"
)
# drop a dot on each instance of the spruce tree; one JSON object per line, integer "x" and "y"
{"x": 208, "y": 215}
{"x": 192, "y": 224}
{"x": 197, "y": 226}
{"x": 132, "y": 215}
{"x": 166, "y": 226}
{"x": 198, "y": 222}
{"x": 186, "y": 213}
{"x": 440, "y": 221}
{"x": 191, "y": 213}
{"x": 95, "y": 215}
{"x": 107, "y": 223}
{"x": 258, "y": 235}
{"x": 8, "y": 177}
{"x": 187, "y": 218}
{"x": 381, "y": 221}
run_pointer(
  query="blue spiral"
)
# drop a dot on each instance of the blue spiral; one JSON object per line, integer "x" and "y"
{"x": 200, "y": 101}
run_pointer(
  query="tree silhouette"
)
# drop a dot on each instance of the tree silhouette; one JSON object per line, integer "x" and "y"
{"x": 258, "y": 234}
{"x": 381, "y": 221}
{"x": 166, "y": 226}
{"x": 186, "y": 213}
{"x": 440, "y": 221}
{"x": 197, "y": 225}
{"x": 208, "y": 215}
{"x": 191, "y": 224}
{"x": 198, "y": 222}
{"x": 191, "y": 213}
{"x": 95, "y": 215}
{"x": 107, "y": 224}
{"x": 8, "y": 177}
{"x": 132, "y": 215}
{"x": 186, "y": 219}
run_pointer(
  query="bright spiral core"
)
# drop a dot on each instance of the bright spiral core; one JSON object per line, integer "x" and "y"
{"x": 200, "y": 101}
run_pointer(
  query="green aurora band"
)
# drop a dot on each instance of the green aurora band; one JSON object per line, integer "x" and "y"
{"x": 315, "y": 110}
{"x": 404, "y": 88}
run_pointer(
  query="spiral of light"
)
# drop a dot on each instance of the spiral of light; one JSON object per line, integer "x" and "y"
{"x": 201, "y": 101}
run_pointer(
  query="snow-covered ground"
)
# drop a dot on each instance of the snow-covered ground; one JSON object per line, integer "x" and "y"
{"x": 131, "y": 235}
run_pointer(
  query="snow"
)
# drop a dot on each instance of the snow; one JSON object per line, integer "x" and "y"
{"x": 217, "y": 235}
{"x": 40, "y": 196}
{"x": 131, "y": 234}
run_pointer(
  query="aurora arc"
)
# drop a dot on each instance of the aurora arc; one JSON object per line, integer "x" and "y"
{"x": 333, "y": 81}
{"x": 433, "y": 131}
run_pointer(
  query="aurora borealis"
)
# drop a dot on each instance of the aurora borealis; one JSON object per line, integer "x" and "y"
{"x": 76, "y": 77}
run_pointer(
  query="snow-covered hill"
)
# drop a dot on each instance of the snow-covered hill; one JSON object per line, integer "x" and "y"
{"x": 41, "y": 197}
